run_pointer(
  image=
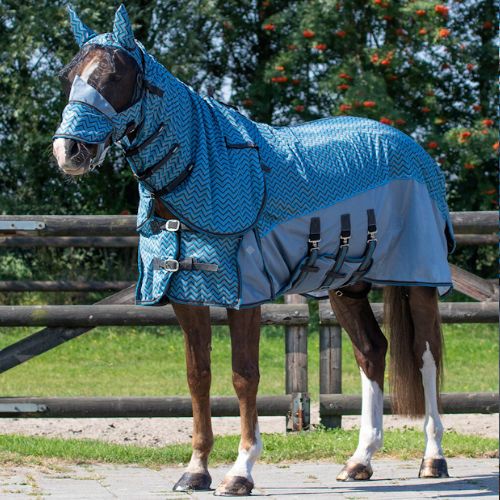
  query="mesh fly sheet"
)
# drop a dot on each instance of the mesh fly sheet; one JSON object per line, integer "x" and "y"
{"x": 260, "y": 211}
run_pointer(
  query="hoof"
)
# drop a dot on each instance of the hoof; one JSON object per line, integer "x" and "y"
{"x": 235, "y": 486}
{"x": 193, "y": 482}
{"x": 355, "y": 472}
{"x": 433, "y": 467}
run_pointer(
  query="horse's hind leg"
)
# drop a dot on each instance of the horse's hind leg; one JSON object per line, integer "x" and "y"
{"x": 245, "y": 333}
{"x": 195, "y": 322}
{"x": 428, "y": 352}
{"x": 370, "y": 346}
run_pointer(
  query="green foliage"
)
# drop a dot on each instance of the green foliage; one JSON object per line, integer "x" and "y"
{"x": 425, "y": 67}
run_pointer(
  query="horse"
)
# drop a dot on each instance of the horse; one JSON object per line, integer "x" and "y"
{"x": 235, "y": 213}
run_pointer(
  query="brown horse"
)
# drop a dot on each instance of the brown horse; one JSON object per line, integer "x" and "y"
{"x": 412, "y": 315}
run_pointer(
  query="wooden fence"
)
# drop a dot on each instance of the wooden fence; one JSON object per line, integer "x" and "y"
{"x": 63, "y": 323}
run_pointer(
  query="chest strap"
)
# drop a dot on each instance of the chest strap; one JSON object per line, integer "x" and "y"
{"x": 189, "y": 264}
{"x": 171, "y": 225}
{"x": 345, "y": 236}
{"x": 136, "y": 149}
{"x": 148, "y": 172}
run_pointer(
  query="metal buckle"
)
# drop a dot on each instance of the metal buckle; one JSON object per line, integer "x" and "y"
{"x": 166, "y": 265}
{"x": 172, "y": 225}
{"x": 314, "y": 243}
{"x": 372, "y": 235}
{"x": 344, "y": 241}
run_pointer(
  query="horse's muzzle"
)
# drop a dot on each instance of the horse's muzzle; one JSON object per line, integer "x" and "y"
{"x": 74, "y": 157}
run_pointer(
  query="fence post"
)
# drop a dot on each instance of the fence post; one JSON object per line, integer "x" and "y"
{"x": 330, "y": 368}
{"x": 296, "y": 370}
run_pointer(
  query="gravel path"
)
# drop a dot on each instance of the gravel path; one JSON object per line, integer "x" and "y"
{"x": 392, "y": 479}
{"x": 160, "y": 432}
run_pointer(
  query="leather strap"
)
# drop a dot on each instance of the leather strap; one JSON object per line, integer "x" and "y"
{"x": 188, "y": 264}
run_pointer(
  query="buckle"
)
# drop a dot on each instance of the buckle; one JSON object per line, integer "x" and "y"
{"x": 170, "y": 265}
{"x": 172, "y": 225}
{"x": 344, "y": 240}
{"x": 372, "y": 235}
{"x": 314, "y": 243}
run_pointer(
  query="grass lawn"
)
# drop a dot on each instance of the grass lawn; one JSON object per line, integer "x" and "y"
{"x": 149, "y": 361}
{"x": 336, "y": 446}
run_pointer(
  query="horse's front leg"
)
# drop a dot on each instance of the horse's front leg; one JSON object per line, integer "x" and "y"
{"x": 195, "y": 323}
{"x": 245, "y": 333}
{"x": 355, "y": 315}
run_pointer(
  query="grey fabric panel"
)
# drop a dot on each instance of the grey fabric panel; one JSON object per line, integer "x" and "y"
{"x": 255, "y": 285}
{"x": 411, "y": 245}
{"x": 81, "y": 91}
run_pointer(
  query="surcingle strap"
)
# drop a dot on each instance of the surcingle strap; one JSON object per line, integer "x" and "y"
{"x": 371, "y": 244}
{"x": 345, "y": 236}
{"x": 313, "y": 251}
{"x": 188, "y": 264}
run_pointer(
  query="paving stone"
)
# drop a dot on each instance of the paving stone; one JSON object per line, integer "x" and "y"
{"x": 392, "y": 479}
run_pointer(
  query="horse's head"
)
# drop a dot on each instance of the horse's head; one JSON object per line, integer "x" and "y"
{"x": 104, "y": 84}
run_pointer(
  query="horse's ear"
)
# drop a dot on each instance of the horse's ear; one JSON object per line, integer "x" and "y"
{"x": 81, "y": 31}
{"x": 122, "y": 29}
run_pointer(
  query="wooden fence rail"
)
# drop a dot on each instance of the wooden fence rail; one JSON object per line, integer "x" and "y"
{"x": 221, "y": 406}
{"x": 126, "y": 315}
{"x": 331, "y": 360}
{"x": 132, "y": 241}
{"x": 125, "y": 225}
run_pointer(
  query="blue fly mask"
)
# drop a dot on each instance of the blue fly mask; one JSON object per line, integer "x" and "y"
{"x": 89, "y": 116}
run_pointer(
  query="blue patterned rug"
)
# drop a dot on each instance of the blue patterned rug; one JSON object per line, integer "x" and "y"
{"x": 261, "y": 211}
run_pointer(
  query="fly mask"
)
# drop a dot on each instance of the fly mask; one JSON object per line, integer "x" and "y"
{"x": 105, "y": 85}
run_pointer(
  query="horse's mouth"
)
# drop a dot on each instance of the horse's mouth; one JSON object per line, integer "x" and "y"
{"x": 74, "y": 157}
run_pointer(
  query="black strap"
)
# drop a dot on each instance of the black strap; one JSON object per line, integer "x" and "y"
{"x": 153, "y": 89}
{"x": 133, "y": 151}
{"x": 188, "y": 264}
{"x": 345, "y": 236}
{"x": 344, "y": 291}
{"x": 313, "y": 251}
{"x": 172, "y": 185}
{"x": 151, "y": 170}
{"x": 243, "y": 145}
{"x": 371, "y": 244}
{"x": 170, "y": 225}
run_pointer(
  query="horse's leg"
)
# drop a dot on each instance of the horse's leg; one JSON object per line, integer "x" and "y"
{"x": 245, "y": 333}
{"x": 370, "y": 346}
{"x": 195, "y": 322}
{"x": 427, "y": 348}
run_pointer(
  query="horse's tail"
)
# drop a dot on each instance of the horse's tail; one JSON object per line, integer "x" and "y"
{"x": 405, "y": 378}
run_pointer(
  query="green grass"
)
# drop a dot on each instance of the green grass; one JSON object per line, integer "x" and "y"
{"x": 149, "y": 361}
{"x": 335, "y": 446}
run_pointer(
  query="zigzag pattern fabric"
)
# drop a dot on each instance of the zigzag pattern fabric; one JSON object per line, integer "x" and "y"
{"x": 251, "y": 191}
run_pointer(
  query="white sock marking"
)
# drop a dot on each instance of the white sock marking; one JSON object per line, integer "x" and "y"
{"x": 371, "y": 431}
{"x": 196, "y": 464}
{"x": 433, "y": 428}
{"x": 247, "y": 458}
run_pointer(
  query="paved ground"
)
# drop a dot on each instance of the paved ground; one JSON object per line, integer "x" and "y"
{"x": 471, "y": 479}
